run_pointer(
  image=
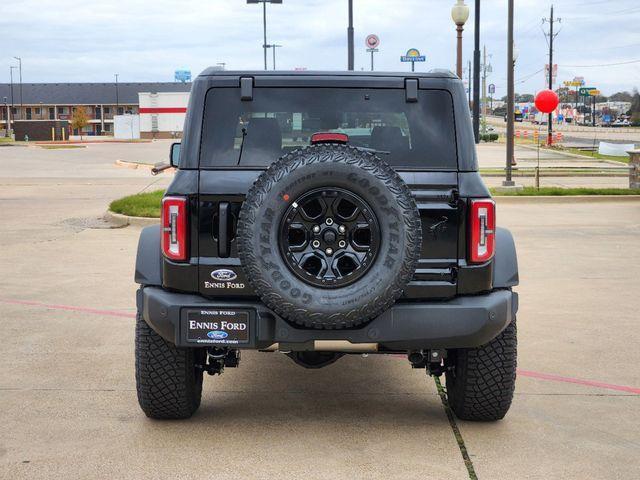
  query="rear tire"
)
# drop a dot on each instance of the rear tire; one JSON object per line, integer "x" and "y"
{"x": 168, "y": 382}
{"x": 481, "y": 385}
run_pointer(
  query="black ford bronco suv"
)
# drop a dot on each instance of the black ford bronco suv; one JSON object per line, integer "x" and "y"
{"x": 322, "y": 214}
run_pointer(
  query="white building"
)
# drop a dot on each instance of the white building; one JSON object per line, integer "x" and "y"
{"x": 162, "y": 114}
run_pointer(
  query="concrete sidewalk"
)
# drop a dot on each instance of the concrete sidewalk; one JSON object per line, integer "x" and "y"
{"x": 493, "y": 156}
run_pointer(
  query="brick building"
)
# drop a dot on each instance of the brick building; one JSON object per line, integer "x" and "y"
{"x": 57, "y": 101}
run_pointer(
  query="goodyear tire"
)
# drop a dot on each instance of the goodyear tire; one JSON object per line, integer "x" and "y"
{"x": 480, "y": 386}
{"x": 329, "y": 236}
{"x": 168, "y": 379}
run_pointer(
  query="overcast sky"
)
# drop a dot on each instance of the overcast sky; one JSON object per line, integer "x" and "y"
{"x": 71, "y": 41}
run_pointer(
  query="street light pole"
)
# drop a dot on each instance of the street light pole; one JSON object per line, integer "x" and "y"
{"x": 11, "y": 67}
{"x": 264, "y": 31}
{"x": 508, "y": 182}
{"x": 117, "y": 96}
{"x": 8, "y": 121}
{"x": 264, "y": 24}
{"x": 476, "y": 74}
{"x": 274, "y": 46}
{"x": 20, "y": 69}
{"x": 459, "y": 15}
{"x": 350, "y": 44}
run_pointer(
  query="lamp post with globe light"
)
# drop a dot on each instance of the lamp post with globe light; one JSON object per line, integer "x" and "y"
{"x": 459, "y": 15}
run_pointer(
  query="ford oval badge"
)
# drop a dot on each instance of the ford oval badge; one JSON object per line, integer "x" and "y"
{"x": 224, "y": 275}
{"x": 217, "y": 335}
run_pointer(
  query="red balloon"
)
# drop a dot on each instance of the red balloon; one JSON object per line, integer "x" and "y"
{"x": 547, "y": 101}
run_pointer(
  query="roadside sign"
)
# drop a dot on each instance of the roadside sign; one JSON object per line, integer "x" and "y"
{"x": 594, "y": 92}
{"x": 585, "y": 91}
{"x": 182, "y": 76}
{"x": 413, "y": 55}
{"x": 554, "y": 73}
{"x": 372, "y": 41}
{"x": 492, "y": 89}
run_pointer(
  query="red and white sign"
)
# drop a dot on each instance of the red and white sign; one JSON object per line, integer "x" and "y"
{"x": 372, "y": 41}
{"x": 546, "y": 73}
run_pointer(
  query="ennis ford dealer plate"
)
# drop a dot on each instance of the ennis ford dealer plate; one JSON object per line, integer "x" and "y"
{"x": 218, "y": 326}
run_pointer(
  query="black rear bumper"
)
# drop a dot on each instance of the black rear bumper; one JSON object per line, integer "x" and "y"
{"x": 465, "y": 321}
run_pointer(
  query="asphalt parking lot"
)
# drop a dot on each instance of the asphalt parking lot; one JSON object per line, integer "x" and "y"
{"x": 68, "y": 405}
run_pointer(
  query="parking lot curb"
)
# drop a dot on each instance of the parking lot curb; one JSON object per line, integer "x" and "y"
{"x": 124, "y": 220}
{"x": 511, "y": 199}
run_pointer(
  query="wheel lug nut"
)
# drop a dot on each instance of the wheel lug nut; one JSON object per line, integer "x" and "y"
{"x": 342, "y": 229}
{"x": 316, "y": 229}
{"x": 342, "y": 244}
{"x": 329, "y": 221}
{"x": 329, "y": 251}
{"x": 315, "y": 244}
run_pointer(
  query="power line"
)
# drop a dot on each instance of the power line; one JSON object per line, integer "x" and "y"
{"x": 602, "y": 64}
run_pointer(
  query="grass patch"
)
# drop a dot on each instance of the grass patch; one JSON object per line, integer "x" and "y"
{"x": 595, "y": 154}
{"x": 145, "y": 204}
{"x": 560, "y": 192}
{"x": 60, "y": 147}
{"x": 556, "y": 172}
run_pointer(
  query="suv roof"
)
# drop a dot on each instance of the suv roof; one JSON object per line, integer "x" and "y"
{"x": 437, "y": 73}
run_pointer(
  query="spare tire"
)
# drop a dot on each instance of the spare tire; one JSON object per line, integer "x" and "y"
{"x": 329, "y": 236}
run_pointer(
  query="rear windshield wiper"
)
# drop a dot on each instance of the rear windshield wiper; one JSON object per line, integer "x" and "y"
{"x": 373, "y": 150}
{"x": 244, "y": 135}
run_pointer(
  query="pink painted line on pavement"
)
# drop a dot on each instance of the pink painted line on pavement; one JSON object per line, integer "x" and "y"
{"x": 70, "y": 308}
{"x": 523, "y": 373}
{"x": 577, "y": 381}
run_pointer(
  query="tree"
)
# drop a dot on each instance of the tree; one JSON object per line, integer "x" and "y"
{"x": 621, "y": 97}
{"x": 79, "y": 120}
{"x": 635, "y": 108}
{"x": 521, "y": 98}
{"x": 525, "y": 98}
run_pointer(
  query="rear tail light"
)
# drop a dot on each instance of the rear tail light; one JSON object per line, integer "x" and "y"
{"x": 174, "y": 228}
{"x": 482, "y": 238}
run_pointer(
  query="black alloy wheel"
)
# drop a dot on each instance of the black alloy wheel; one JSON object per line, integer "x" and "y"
{"x": 329, "y": 237}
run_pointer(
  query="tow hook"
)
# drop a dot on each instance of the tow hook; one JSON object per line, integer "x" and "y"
{"x": 432, "y": 360}
{"x": 436, "y": 364}
{"x": 217, "y": 359}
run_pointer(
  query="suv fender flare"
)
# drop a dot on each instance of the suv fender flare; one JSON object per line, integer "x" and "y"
{"x": 149, "y": 257}
{"x": 505, "y": 265}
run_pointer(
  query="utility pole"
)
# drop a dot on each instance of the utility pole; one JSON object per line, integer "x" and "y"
{"x": 486, "y": 68}
{"x": 552, "y": 36}
{"x": 469, "y": 84}
{"x": 508, "y": 181}
{"x": 476, "y": 74}
{"x": 350, "y": 44}
{"x": 484, "y": 85}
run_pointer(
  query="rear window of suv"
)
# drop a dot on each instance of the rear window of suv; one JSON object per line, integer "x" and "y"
{"x": 278, "y": 120}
